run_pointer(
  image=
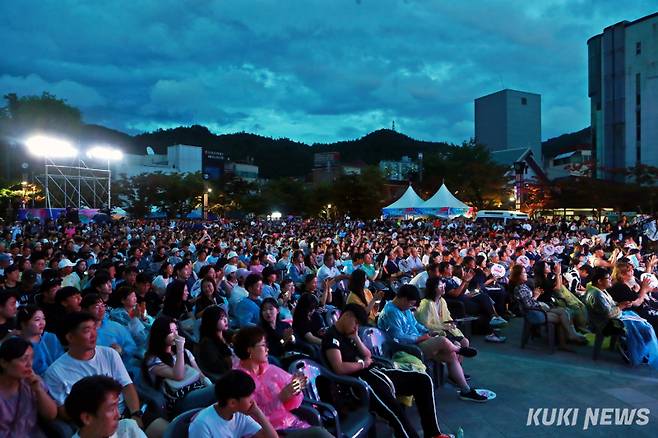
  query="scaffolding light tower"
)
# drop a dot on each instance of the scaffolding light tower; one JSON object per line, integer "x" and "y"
{"x": 68, "y": 180}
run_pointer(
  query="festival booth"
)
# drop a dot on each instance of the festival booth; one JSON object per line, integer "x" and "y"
{"x": 445, "y": 204}
{"x": 407, "y": 205}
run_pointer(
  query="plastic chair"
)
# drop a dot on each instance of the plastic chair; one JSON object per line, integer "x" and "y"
{"x": 382, "y": 346}
{"x": 179, "y": 426}
{"x": 598, "y": 342}
{"x": 355, "y": 423}
{"x": 528, "y": 328}
{"x": 199, "y": 398}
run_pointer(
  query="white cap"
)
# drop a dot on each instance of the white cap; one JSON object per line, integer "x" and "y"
{"x": 229, "y": 269}
{"x": 65, "y": 263}
{"x": 231, "y": 255}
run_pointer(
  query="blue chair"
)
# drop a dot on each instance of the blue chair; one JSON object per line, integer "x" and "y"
{"x": 199, "y": 398}
{"x": 353, "y": 424}
{"x": 179, "y": 426}
{"x": 382, "y": 346}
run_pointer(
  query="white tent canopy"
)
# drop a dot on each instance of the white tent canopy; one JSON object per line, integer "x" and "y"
{"x": 408, "y": 203}
{"x": 444, "y": 203}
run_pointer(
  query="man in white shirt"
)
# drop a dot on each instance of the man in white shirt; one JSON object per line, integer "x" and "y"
{"x": 69, "y": 278}
{"x": 84, "y": 359}
{"x": 413, "y": 264}
{"x": 236, "y": 414}
{"x": 329, "y": 270}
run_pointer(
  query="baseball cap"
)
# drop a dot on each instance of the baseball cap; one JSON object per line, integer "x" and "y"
{"x": 243, "y": 273}
{"x": 231, "y": 255}
{"x": 229, "y": 269}
{"x": 65, "y": 263}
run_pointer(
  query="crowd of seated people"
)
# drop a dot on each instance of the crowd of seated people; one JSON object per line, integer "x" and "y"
{"x": 112, "y": 327}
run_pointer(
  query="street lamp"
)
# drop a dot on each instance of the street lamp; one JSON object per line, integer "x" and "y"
{"x": 48, "y": 147}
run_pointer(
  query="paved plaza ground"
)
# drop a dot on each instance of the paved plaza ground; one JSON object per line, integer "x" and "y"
{"x": 534, "y": 378}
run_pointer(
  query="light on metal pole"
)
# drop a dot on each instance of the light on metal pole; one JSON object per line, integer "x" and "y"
{"x": 108, "y": 154}
{"x": 49, "y": 148}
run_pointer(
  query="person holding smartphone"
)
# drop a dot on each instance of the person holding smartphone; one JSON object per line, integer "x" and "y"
{"x": 277, "y": 392}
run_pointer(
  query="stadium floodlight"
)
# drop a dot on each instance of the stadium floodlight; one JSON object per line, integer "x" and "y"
{"x": 49, "y": 147}
{"x": 105, "y": 153}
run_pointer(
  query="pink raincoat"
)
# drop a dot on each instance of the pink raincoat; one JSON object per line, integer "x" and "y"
{"x": 270, "y": 381}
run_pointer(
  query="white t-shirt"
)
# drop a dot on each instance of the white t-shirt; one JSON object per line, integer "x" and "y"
{"x": 327, "y": 272}
{"x": 127, "y": 429}
{"x": 208, "y": 424}
{"x": 62, "y": 374}
{"x": 420, "y": 280}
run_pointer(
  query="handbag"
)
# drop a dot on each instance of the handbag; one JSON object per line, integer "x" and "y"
{"x": 175, "y": 390}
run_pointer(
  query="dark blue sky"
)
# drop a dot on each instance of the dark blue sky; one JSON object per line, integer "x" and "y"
{"x": 311, "y": 70}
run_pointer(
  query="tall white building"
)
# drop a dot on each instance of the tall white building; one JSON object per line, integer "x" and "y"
{"x": 623, "y": 91}
{"x": 509, "y": 119}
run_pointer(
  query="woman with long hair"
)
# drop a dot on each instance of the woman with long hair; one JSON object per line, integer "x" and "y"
{"x": 23, "y": 395}
{"x": 168, "y": 365}
{"x": 556, "y": 294}
{"x": 209, "y": 297}
{"x": 279, "y": 333}
{"x": 214, "y": 353}
{"x": 277, "y": 392}
{"x": 307, "y": 323}
{"x": 626, "y": 288}
{"x": 176, "y": 303}
{"x": 161, "y": 282}
{"x": 534, "y": 309}
{"x": 360, "y": 295}
{"x": 31, "y": 323}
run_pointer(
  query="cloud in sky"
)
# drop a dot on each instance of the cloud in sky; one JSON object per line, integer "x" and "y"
{"x": 311, "y": 70}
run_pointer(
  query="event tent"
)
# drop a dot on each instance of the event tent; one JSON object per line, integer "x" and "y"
{"x": 444, "y": 204}
{"x": 407, "y": 204}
